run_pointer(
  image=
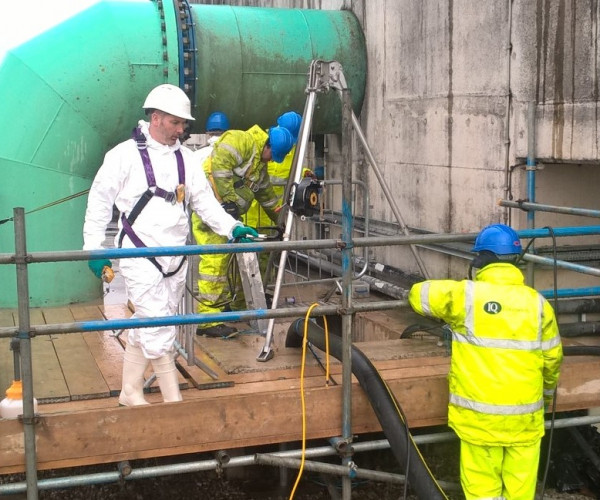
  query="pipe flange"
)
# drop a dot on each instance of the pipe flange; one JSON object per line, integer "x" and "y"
{"x": 163, "y": 30}
{"x": 186, "y": 46}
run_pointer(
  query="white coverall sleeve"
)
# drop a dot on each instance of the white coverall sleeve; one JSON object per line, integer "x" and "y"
{"x": 202, "y": 201}
{"x": 101, "y": 198}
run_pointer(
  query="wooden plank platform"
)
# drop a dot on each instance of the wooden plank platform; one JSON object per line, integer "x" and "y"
{"x": 77, "y": 378}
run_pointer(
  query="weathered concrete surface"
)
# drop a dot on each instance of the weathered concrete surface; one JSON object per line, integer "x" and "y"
{"x": 448, "y": 89}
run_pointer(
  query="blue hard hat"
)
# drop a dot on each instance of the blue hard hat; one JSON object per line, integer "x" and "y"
{"x": 499, "y": 239}
{"x": 281, "y": 142}
{"x": 217, "y": 121}
{"x": 291, "y": 120}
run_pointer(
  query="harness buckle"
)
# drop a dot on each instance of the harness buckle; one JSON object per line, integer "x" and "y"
{"x": 171, "y": 197}
{"x": 252, "y": 186}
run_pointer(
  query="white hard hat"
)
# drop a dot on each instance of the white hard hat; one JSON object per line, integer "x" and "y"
{"x": 170, "y": 99}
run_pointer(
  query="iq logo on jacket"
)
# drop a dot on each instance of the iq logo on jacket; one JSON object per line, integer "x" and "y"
{"x": 492, "y": 307}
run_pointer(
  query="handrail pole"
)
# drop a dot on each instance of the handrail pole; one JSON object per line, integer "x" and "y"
{"x": 25, "y": 350}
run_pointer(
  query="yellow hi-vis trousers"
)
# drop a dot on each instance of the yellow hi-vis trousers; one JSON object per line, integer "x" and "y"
{"x": 213, "y": 285}
{"x": 499, "y": 472}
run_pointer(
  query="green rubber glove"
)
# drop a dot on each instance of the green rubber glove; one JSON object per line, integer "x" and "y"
{"x": 244, "y": 234}
{"x": 97, "y": 266}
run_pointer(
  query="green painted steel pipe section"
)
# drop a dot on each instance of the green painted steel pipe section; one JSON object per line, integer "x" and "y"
{"x": 76, "y": 90}
{"x": 253, "y": 62}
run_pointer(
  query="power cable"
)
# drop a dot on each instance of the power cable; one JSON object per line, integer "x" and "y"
{"x": 48, "y": 205}
{"x": 302, "y": 399}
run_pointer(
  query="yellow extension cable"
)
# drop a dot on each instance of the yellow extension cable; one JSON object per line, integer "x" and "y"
{"x": 304, "y": 342}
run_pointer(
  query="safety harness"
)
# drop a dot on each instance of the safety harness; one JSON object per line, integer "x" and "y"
{"x": 153, "y": 190}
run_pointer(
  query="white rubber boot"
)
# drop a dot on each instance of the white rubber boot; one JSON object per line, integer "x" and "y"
{"x": 166, "y": 374}
{"x": 132, "y": 386}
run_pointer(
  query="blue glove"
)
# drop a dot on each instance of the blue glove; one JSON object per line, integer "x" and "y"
{"x": 240, "y": 234}
{"x": 97, "y": 266}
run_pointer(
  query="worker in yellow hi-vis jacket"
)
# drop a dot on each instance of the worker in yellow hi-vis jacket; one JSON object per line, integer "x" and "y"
{"x": 279, "y": 173}
{"x": 237, "y": 172}
{"x": 506, "y": 357}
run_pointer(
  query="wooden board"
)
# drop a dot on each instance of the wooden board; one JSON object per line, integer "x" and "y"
{"x": 48, "y": 381}
{"x": 82, "y": 376}
{"x": 248, "y": 415}
{"x": 103, "y": 346}
{"x": 108, "y": 356}
{"x": 261, "y": 407}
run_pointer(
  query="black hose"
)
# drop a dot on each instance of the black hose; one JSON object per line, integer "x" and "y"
{"x": 385, "y": 406}
{"x": 581, "y": 350}
{"x": 579, "y": 329}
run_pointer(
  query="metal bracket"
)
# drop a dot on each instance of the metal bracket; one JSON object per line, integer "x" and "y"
{"x": 324, "y": 76}
{"x": 342, "y": 446}
{"x": 36, "y": 419}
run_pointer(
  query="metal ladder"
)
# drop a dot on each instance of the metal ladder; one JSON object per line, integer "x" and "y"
{"x": 254, "y": 290}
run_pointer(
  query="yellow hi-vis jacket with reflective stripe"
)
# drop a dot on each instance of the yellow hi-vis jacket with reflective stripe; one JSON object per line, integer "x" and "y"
{"x": 506, "y": 353}
{"x": 237, "y": 173}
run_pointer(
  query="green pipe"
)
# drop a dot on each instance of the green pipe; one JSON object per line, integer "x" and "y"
{"x": 76, "y": 90}
{"x": 254, "y": 62}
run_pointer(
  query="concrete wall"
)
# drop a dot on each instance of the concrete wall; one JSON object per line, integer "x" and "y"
{"x": 446, "y": 108}
{"x": 449, "y": 85}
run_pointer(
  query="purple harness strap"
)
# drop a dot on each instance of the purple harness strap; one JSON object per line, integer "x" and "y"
{"x": 169, "y": 196}
{"x": 140, "y": 140}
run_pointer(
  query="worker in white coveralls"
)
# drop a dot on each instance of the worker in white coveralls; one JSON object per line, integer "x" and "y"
{"x": 506, "y": 357}
{"x": 152, "y": 179}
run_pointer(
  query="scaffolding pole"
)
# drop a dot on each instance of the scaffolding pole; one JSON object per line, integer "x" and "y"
{"x": 26, "y": 365}
{"x": 222, "y": 460}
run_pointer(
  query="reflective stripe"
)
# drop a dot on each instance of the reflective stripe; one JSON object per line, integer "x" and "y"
{"x": 549, "y": 344}
{"x": 469, "y": 301}
{"x": 264, "y": 184}
{"x": 242, "y": 203}
{"x": 212, "y": 278}
{"x": 496, "y": 409}
{"x": 222, "y": 174}
{"x": 425, "y": 299}
{"x": 521, "y": 345}
{"x": 549, "y": 392}
{"x": 278, "y": 181}
{"x": 241, "y": 169}
{"x": 540, "y": 315}
{"x": 271, "y": 203}
{"x": 209, "y": 298}
{"x": 233, "y": 151}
